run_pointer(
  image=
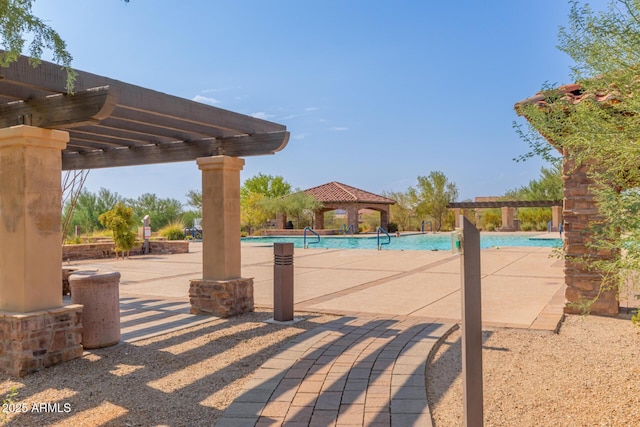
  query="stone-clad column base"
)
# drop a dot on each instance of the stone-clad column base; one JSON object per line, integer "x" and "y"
{"x": 32, "y": 341}
{"x": 222, "y": 298}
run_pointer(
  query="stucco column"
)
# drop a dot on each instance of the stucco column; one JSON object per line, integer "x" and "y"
{"x": 30, "y": 228}
{"x": 220, "y": 216}
{"x": 507, "y": 219}
{"x": 221, "y": 291}
{"x": 457, "y": 213}
{"x": 556, "y": 217}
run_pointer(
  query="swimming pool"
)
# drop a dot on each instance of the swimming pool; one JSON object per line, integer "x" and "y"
{"x": 428, "y": 242}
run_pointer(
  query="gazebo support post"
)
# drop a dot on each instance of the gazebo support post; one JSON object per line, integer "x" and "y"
{"x": 38, "y": 330}
{"x": 222, "y": 291}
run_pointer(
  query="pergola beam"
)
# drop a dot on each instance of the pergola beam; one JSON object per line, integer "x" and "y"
{"x": 506, "y": 204}
{"x": 60, "y": 111}
{"x": 239, "y": 146}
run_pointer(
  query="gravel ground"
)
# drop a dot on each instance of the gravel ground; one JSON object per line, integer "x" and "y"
{"x": 587, "y": 375}
{"x": 186, "y": 378}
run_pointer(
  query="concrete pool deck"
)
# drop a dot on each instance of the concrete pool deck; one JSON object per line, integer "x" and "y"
{"x": 522, "y": 287}
{"x": 367, "y": 367}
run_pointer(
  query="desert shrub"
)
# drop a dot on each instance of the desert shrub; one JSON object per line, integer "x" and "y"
{"x": 526, "y": 226}
{"x": 537, "y": 217}
{"x": 392, "y": 227}
{"x": 173, "y": 231}
{"x": 120, "y": 221}
{"x": 491, "y": 219}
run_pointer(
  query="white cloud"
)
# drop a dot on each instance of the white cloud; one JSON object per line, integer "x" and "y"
{"x": 261, "y": 115}
{"x": 338, "y": 128}
{"x": 299, "y": 136}
{"x": 205, "y": 100}
{"x": 310, "y": 109}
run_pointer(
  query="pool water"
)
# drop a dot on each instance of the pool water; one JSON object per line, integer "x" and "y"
{"x": 412, "y": 242}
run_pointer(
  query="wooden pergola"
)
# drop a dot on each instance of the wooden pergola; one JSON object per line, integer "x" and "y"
{"x": 508, "y": 209}
{"x": 106, "y": 123}
{"x": 111, "y": 123}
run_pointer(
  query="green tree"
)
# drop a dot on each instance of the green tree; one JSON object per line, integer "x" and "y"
{"x": 261, "y": 197}
{"x": 270, "y": 186}
{"x": 403, "y": 211}
{"x": 18, "y": 24}
{"x": 194, "y": 199}
{"x": 253, "y": 213}
{"x": 434, "y": 192}
{"x": 602, "y": 129}
{"x": 547, "y": 187}
{"x": 120, "y": 221}
{"x": 161, "y": 211}
{"x": 89, "y": 206}
{"x": 299, "y": 205}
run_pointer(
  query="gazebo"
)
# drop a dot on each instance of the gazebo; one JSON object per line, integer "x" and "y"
{"x": 105, "y": 123}
{"x": 335, "y": 195}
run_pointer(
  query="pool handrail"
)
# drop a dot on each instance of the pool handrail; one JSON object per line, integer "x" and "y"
{"x": 388, "y": 237}
{"x": 344, "y": 229}
{"x": 304, "y": 235}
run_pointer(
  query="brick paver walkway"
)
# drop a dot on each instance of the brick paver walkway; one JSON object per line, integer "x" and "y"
{"x": 354, "y": 371}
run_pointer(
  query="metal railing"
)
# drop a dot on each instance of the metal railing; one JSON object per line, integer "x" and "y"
{"x": 388, "y": 242}
{"x": 344, "y": 229}
{"x": 304, "y": 237}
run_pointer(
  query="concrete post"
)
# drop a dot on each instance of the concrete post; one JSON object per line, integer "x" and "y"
{"x": 30, "y": 229}
{"x": 283, "y": 282}
{"x": 471, "y": 325}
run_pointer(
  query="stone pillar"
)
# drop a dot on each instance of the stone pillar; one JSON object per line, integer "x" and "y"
{"x": 352, "y": 217}
{"x": 556, "y": 217}
{"x": 319, "y": 219}
{"x": 36, "y": 330}
{"x": 281, "y": 221}
{"x": 583, "y": 283}
{"x": 507, "y": 219}
{"x": 384, "y": 217}
{"x": 221, "y": 292}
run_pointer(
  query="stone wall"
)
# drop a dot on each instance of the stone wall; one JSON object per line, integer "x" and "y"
{"x": 583, "y": 284}
{"x": 33, "y": 341}
{"x": 105, "y": 249}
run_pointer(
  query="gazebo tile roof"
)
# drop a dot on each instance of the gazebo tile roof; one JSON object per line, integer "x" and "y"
{"x": 337, "y": 192}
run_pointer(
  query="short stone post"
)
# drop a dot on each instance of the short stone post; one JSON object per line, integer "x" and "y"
{"x": 100, "y": 297}
{"x": 283, "y": 282}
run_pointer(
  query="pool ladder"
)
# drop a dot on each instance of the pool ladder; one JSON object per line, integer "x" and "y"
{"x": 380, "y": 229}
{"x": 304, "y": 236}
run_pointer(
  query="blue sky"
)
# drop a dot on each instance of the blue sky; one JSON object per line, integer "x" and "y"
{"x": 374, "y": 93}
